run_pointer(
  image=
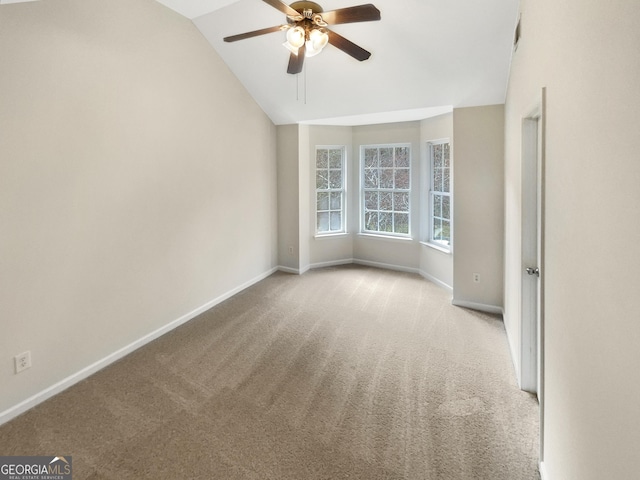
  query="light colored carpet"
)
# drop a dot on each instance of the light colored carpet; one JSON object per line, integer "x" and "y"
{"x": 347, "y": 372}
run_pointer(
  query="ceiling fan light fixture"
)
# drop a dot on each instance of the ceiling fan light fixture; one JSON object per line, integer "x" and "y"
{"x": 291, "y": 48}
{"x": 307, "y": 33}
{"x": 296, "y": 37}
{"x": 318, "y": 39}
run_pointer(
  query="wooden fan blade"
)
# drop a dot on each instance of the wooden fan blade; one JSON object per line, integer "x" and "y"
{"x": 348, "y": 46}
{"x": 296, "y": 61}
{"x": 284, "y": 8}
{"x": 360, "y": 13}
{"x": 255, "y": 33}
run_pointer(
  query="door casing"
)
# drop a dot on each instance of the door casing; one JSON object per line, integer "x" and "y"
{"x": 533, "y": 223}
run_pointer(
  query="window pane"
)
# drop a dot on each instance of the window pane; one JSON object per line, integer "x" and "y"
{"x": 322, "y": 182}
{"x": 386, "y": 222}
{"x": 336, "y": 221}
{"x": 329, "y": 189}
{"x": 335, "y": 178}
{"x": 335, "y": 158}
{"x": 371, "y": 200}
{"x": 446, "y": 207}
{"x": 370, "y": 158}
{"x": 437, "y": 179}
{"x": 336, "y": 201}
{"x": 401, "y": 222}
{"x": 386, "y": 182}
{"x": 386, "y": 157}
{"x": 323, "y": 222}
{"x": 441, "y": 204}
{"x": 403, "y": 179}
{"x": 371, "y": 221}
{"x": 386, "y": 178}
{"x": 446, "y": 233}
{"x": 437, "y": 156}
{"x": 323, "y": 201}
{"x": 370, "y": 178}
{"x": 437, "y": 228}
{"x": 437, "y": 205}
{"x": 401, "y": 202}
{"x": 402, "y": 157}
{"x": 322, "y": 157}
{"x": 386, "y": 201}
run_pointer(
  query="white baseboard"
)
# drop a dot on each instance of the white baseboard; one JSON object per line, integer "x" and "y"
{"x": 333, "y": 263}
{"x": 515, "y": 361}
{"x": 71, "y": 380}
{"x": 349, "y": 261}
{"x": 367, "y": 263}
{"x": 438, "y": 282}
{"x": 543, "y": 472}
{"x": 482, "y": 307}
{"x": 387, "y": 266}
{"x": 294, "y": 271}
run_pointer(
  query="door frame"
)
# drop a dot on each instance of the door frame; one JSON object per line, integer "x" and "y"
{"x": 532, "y": 254}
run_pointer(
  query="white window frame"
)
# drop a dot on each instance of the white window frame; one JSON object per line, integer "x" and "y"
{"x": 363, "y": 190}
{"x": 431, "y": 241}
{"x": 342, "y": 191}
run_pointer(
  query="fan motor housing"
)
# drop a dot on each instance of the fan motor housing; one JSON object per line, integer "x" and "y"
{"x": 302, "y": 6}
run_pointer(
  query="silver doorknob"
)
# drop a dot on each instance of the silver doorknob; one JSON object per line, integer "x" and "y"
{"x": 533, "y": 271}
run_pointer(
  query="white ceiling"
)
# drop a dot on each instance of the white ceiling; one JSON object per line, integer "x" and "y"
{"x": 427, "y": 57}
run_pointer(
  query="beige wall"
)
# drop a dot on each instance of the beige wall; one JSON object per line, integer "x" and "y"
{"x": 586, "y": 55}
{"x": 333, "y": 249}
{"x": 434, "y": 264}
{"x": 400, "y": 253}
{"x": 288, "y": 198}
{"x": 478, "y": 225}
{"x": 406, "y": 254}
{"x": 304, "y": 173}
{"x": 361, "y": 248}
{"x": 129, "y": 194}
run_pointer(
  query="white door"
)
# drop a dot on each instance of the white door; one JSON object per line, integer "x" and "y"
{"x": 533, "y": 222}
{"x": 532, "y": 250}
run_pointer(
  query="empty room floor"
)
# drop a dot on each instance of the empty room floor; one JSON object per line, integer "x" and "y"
{"x": 343, "y": 372}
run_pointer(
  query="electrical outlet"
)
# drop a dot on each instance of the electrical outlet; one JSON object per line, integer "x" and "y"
{"x": 23, "y": 361}
{"x": 476, "y": 278}
{"x": 290, "y": 250}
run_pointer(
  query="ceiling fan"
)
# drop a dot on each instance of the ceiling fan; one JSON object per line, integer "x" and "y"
{"x": 307, "y": 32}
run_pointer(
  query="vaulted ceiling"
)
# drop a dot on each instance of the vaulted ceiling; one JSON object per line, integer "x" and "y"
{"x": 428, "y": 56}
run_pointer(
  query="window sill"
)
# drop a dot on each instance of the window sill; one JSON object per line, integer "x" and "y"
{"x": 386, "y": 237}
{"x": 320, "y": 236}
{"x": 435, "y": 246}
